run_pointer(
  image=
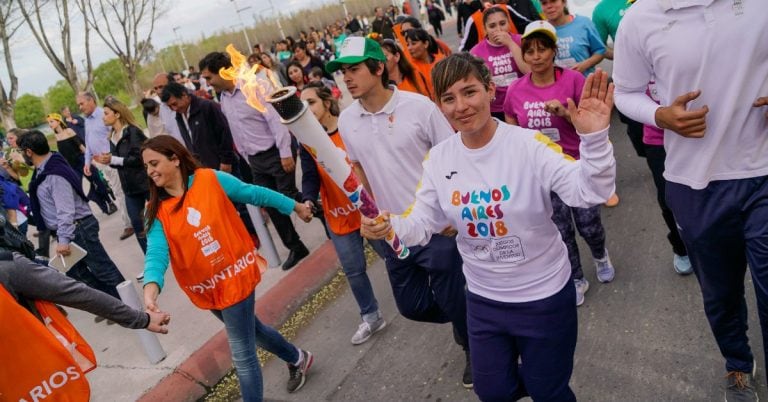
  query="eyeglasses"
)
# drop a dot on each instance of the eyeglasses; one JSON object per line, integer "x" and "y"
{"x": 158, "y": 87}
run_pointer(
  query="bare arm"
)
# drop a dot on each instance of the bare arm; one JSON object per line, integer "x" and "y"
{"x": 588, "y": 63}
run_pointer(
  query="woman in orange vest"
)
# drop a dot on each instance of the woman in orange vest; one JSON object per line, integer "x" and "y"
{"x": 43, "y": 355}
{"x": 423, "y": 56}
{"x": 402, "y": 72}
{"x": 342, "y": 218}
{"x": 193, "y": 225}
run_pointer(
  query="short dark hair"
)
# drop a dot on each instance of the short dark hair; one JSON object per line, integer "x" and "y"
{"x": 542, "y": 39}
{"x": 299, "y": 45}
{"x": 173, "y": 89}
{"x": 87, "y": 94}
{"x": 493, "y": 10}
{"x": 149, "y": 105}
{"x": 316, "y": 72}
{"x": 214, "y": 62}
{"x": 35, "y": 141}
{"x": 455, "y": 67}
{"x": 373, "y": 66}
{"x": 411, "y": 20}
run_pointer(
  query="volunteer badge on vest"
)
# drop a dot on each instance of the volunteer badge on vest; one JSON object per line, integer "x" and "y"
{"x": 193, "y": 217}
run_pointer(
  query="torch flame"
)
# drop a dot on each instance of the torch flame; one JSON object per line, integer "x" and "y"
{"x": 251, "y": 84}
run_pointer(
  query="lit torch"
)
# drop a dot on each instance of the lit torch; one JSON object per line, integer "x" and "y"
{"x": 306, "y": 128}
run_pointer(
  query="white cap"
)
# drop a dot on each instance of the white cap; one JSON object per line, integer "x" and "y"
{"x": 541, "y": 26}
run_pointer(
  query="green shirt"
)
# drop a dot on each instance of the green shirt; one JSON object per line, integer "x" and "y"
{"x": 607, "y": 16}
{"x": 537, "y": 4}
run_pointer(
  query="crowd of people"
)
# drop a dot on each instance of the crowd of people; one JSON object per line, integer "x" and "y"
{"x": 492, "y": 237}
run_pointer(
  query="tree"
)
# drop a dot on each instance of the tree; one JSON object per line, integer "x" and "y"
{"x": 118, "y": 23}
{"x": 37, "y": 15}
{"x": 29, "y": 111}
{"x": 9, "y": 23}
{"x": 60, "y": 95}
{"x": 110, "y": 78}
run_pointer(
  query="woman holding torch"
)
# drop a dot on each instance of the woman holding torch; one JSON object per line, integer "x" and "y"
{"x": 519, "y": 292}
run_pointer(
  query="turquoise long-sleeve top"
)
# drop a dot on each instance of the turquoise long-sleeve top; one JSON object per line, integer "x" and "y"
{"x": 158, "y": 255}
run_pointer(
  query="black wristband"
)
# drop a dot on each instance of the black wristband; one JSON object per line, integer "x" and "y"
{"x": 149, "y": 319}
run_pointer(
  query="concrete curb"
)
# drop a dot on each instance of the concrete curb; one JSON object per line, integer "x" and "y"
{"x": 206, "y": 366}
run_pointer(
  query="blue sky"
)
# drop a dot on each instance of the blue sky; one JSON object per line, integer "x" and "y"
{"x": 193, "y": 17}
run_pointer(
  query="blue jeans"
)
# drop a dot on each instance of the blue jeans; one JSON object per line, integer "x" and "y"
{"x": 349, "y": 248}
{"x": 134, "y": 205}
{"x": 244, "y": 332}
{"x": 96, "y": 269}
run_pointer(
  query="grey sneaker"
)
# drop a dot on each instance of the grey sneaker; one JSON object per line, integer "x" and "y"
{"x": 604, "y": 269}
{"x": 682, "y": 264}
{"x": 582, "y": 285}
{"x": 297, "y": 375}
{"x": 741, "y": 387}
{"x": 366, "y": 330}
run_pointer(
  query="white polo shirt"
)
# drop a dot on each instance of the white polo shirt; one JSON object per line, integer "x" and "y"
{"x": 717, "y": 46}
{"x": 391, "y": 144}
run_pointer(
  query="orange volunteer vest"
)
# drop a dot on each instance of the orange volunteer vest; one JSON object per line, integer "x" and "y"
{"x": 36, "y": 364}
{"x": 477, "y": 17}
{"x": 212, "y": 255}
{"x": 341, "y": 215}
{"x": 419, "y": 87}
{"x": 426, "y": 70}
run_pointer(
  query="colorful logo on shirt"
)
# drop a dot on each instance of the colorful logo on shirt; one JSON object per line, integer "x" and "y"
{"x": 482, "y": 211}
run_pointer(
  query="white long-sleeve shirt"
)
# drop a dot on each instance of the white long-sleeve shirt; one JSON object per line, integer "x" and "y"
{"x": 498, "y": 198}
{"x": 716, "y": 46}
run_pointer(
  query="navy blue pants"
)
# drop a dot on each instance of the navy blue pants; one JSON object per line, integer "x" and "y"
{"x": 542, "y": 333}
{"x": 428, "y": 286}
{"x": 725, "y": 226}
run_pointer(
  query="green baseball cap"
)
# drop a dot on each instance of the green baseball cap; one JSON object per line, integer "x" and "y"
{"x": 354, "y": 50}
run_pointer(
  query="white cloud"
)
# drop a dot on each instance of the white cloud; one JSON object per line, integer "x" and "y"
{"x": 193, "y": 17}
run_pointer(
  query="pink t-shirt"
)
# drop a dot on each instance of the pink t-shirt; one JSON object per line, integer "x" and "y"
{"x": 652, "y": 135}
{"x": 503, "y": 68}
{"x": 525, "y": 102}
